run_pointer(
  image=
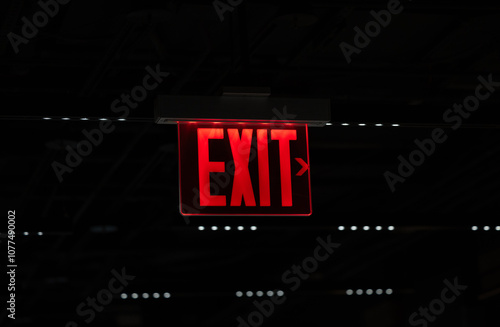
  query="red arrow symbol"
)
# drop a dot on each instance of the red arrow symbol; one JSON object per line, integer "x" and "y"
{"x": 305, "y": 166}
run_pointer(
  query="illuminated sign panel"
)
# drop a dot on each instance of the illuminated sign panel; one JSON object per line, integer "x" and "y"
{"x": 244, "y": 169}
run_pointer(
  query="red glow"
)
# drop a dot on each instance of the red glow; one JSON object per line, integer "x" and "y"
{"x": 285, "y": 136}
{"x": 208, "y": 188}
{"x": 205, "y": 167}
{"x": 263, "y": 158}
{"x": 242, "y": 184}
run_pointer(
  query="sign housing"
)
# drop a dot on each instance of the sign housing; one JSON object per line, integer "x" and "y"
{"x": 244, "y": 169}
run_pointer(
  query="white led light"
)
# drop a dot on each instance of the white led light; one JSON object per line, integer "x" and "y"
{"x": 156, "y": 295}
{"x": 366, "y": 227}
{"x": 121, "y": 119}
{"x": 280, "y": 293}
{"x": 239, "y": 294}
{"x": 201, "y": 228}
{"x": 65, "y": 118}
{"x": 359, "y": 292}
{"x": 474, "y": 227}
{"x": 259, "y": 293}
{"x": 249, "y": 293}
{"x": 84, "y": 118}
{"x": 26, "y": 233}
{"x": 378, "y": 228}
{"x": 214, "y": 227}
{"x": 390, "y": 228}
{"x": 145, "y": 295}
{"x": 328, "y": 124}
{"x": 227, "y": 228}
{"x": 354, "y": 227}
{"x": 166, "y": 295}
{"x": 388, "y": 291}
{"x": 345, "y": 124}
{"x": 46, "y": 118}
{"x": 240, "y": 227}
{"x": 379, "y": 291}
{"x": 253, "y": 227}
{"x": 361, "y": 124}
{"x": 270, "y": 293}
{"x": 103, "y": 118}
{"x": 349, "y": 292}
{"x": 378, "y": 125}
{"x": 40, "y": 233}
{"x": 395, "y": 125}
{"x": 497, "y": 228}
{"x": 341, "y": 227}
{"x": 369, "y": 291}
{"x": 135, "y": 296}
{"x": 123, "y": 296}
{"x": 486, "y": 227}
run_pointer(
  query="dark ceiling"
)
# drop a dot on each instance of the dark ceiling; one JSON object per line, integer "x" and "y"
{"x": 119, "y": 208}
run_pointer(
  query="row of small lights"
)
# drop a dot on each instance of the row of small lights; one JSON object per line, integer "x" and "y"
{"x": 363, "y": 124}
{"x": 474, "y": 228}
{"x": 365, "y": 228}
{"x": 328, "y": 124}
{"x": 391, "y": 228}
{"x": 167, "y": 295}
{"x": 134, "y": 296}
{"x": 83, "y": 118}
{"x": 226, "y": 228}
{"x": 379, "y": 228}
{"x": 369, "y": 292}
{"x": 259, "y": 293}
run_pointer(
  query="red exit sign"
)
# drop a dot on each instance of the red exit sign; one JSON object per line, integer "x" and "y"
{"x": 244, "y": 169}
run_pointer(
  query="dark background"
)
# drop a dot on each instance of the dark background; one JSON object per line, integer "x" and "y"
{"x": 119, "y": 207}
